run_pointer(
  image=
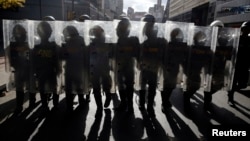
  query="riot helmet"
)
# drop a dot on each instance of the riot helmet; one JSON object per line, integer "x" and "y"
{"x": 49, "y": 18}
{"x": 217, "y": 23}
{"x": 70, "y": 32}
{"x": 44, "y": 30}
{"x": 245, "y": 28}
{"x": 148, "y": 18}
{"x": 84, "y": 17}
{"x": 224, "y": 37}
{"x": 123, "y": 28}
{"x": 176, "y": 35}
{"x": 200, "y": 38}
{"x": 97, "y": 33}
{"x": 149, "y": 29}
{"x": 19, "y": 33}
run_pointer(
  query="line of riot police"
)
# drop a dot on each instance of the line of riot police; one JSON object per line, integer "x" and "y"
{"x": 118, "y": 56}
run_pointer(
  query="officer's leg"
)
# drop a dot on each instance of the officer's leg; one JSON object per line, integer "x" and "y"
{"x": 130, "y": 94}
{"x": 142, "y": 94}
{"x": 32, "y": 99}
{"x": 19, "y": 101}
{"x": 165, "y": 97}
{"x": 130, "y": 91}
{"x": 187, "y": 95}
{"x": 53, "y": 84}
{"x": 69, "y": 94}
{"x": 55, "y": 99}
{"x": 98, "y": 100}
{"x": 234, "y": 88}
{"x": 208, "y": 99}
{"x": 107, "y": 87}
{"x": 151, "y": 96}
{"x": 43, "y": 95}
{"x": 122, "y": 94}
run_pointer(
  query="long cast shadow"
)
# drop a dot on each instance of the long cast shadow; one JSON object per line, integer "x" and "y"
{"x": 106, "y": 129}
{"x": 154, "y": 129}
{"x": 125, "y": 127}
{"x": 20, "y": 127}
{"x": 63, "y": 126}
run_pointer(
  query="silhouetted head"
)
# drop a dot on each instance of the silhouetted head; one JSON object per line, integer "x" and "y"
{"x": 123, "y": 28}
{"x": 200, "y": 38}
{"x": 245, "y": 28}
{"x": 19, "y": 33}
{"x": 84, "y": 17}
{"x": 224, "y": 36}
{"x": 70, "y": 32}
{"x": 97, "y": 32}
{"x": 149, "y": 29}
{"x": 44, "y": 30}
{"x": 176, "y": 35}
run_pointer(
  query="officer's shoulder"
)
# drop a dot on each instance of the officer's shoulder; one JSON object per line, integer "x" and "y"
{"x": 133, "y": 38}
{"x": 161, "y": 41}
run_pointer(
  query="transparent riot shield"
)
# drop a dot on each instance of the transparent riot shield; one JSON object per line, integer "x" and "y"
{"x": 45, "y": 55}
{"x": 17, "y": 50}
{"x": 101, "y": 46}
{"x": 73, "y": 53}
{"x": 152, "y": 54}
{"x": 224, "y": 58}
{"x": 176, "y": 53}
{"x": 127, "y": 54}
{"x": 199, "y": 67}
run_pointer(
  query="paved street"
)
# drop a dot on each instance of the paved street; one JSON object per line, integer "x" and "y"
{"x": 82, "y": 124}
{"x": 176, "y": 125}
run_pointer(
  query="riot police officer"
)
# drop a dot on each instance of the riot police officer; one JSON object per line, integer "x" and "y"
{"x": 241, "y": 75}
{"x": 199, "y": 63}
{"x": 20, "y": 60}
{"x": 218, "y": 69}
{"x": 100, "y": 53}
{"x": 127, "y": 54}
{"x": 83, "y": 18}
{"x": 46, "y": 64}
{"x": 150, "y": 62}
{"x": 175, "y": 58}
{"x": 72, "y": 52}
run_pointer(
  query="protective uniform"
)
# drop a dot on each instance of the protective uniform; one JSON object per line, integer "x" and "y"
{"x": 46, "y": 62}
{"x": 18, "y": 61}
{"x": 175, "y": 59}
{"x": 198, "y": 71}
{"x": 127, "y": 53}
{"x": 100, "y": 53}
{"x": 150, "y": 62}
{"x": 73, "y": 54}
{"x": 223, "y": 60}
{"x": 241, "y": 74}
{"x": 83, "y": 18}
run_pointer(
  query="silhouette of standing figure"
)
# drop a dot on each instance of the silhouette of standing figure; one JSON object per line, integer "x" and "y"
{"x": 176, "y": 56}
{"x": 127, "y": 54}
{"x": 83, "y": 18}
{"x": 20, "y": 61}
{"x": 199, "y": 63}
{"x": 73, "y": 53}
{"x": 151, "y": 58}
{"x": 47, "y": 65}
{"x": 241, "y": 75}
{"x": 100, "y": 53}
